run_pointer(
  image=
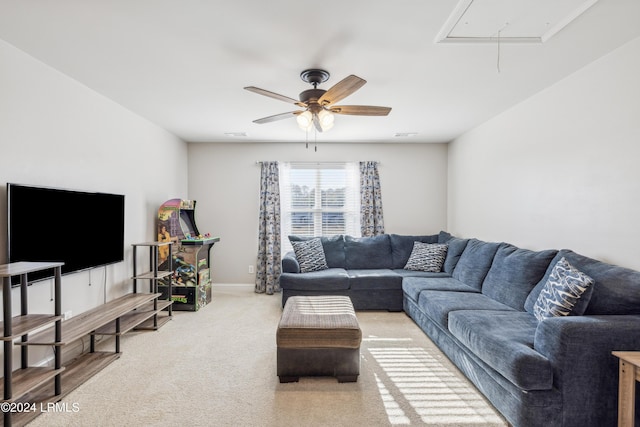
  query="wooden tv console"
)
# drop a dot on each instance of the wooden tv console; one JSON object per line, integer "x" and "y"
{"x": 38, "y": 386}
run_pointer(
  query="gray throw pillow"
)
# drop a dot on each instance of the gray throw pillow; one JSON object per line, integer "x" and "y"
{"x": 310, "y": 255}
{"x": 427, "y": 257}
{"x": 565, "y": 286}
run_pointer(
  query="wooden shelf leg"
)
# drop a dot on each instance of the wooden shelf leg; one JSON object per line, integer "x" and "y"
{"x": 626, "y": 395}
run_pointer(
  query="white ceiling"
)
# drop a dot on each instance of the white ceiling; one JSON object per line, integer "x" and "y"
{"x": 183, "y": 64}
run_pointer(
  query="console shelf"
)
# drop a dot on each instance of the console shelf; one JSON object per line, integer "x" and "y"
{"x": 134, "y": 319}
{"x": 17, "y": 384}
{"x": 42, "y": 385}
{"x": 22, "y": 325}
{"x": 91, "y": 320}
{"x": 28, "y": 379}
{"x": 76, "y": 372}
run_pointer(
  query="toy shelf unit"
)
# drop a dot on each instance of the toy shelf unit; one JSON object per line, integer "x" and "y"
{"x": 19, "y": 383}
{"x": 160, "y": 266}
{"x": 190, "y": 286}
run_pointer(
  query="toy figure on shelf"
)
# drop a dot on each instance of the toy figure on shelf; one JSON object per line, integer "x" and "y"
{"x": 163, "y": 251}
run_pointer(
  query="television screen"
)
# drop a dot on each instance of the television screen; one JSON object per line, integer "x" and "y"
{"x": 81, "y": 229}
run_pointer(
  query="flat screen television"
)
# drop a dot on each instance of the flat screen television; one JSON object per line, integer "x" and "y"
{"x": 81, "y": 229}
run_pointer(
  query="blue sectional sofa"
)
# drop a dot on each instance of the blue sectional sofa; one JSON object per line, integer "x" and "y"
{"x": 480, "y": 310}
{"x": 369, "y": 270}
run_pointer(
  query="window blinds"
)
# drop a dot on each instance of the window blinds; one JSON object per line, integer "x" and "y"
{"x": 319, "y": 199}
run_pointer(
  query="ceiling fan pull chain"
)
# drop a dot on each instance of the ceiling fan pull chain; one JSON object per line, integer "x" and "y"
{"x": 499, "y": 34}
{"x": 498, "y": 61}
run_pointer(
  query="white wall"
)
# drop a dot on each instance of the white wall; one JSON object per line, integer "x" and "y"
{"x": 560, "y": 170}
{"x": 56, "y": 132}
{"x": 225, "y": 181}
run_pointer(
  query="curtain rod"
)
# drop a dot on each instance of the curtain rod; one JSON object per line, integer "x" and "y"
{"x": 259, "y": 162}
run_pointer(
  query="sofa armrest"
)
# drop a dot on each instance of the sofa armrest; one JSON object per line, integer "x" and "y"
{"x": 584, "y": 370}
{"x": 290, "y": 263}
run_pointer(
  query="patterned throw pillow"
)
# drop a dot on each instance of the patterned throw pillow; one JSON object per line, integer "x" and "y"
{"x": 310, "y": 255}
{"x": 427, "y": 257}
{"x": 565, "y": 286}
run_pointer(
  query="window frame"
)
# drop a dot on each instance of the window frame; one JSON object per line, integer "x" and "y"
{"x": 350, "y": 208}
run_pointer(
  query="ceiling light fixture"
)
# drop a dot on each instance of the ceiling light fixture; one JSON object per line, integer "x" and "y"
{"x": 318, "y": 104}
{"x": 323, "y": 117}
{"x": 305, "y": 120}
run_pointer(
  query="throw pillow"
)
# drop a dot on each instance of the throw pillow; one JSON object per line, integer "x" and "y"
{"x": 565, "y": 286}
{"x": 310, "y": 255}
{"x": 427, "y": 257}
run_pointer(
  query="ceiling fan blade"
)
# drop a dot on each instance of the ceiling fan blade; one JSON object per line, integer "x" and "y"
{"x": 275, "y": 95}
{"x": 360, "y": 110}
{"x": 277, "y": 117}
{"x": 341, "y": 90}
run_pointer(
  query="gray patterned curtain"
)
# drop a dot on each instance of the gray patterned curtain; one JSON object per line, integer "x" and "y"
{"x": 269, "y": 260}
{"x": 371, "y": 218}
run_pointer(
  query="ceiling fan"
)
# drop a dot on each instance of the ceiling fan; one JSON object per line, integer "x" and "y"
{"x": 318, "y": 104}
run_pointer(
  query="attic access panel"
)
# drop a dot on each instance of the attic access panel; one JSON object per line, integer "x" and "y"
{"x": 530, "y": 21}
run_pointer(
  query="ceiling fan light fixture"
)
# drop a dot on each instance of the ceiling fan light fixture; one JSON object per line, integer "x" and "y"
{"x": 305, "y": 120}
{"x": 318, "y": 104}
{"x": 326, "y": 119}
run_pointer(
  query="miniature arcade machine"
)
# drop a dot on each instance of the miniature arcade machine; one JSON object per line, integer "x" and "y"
{"x": 191, "y": 255}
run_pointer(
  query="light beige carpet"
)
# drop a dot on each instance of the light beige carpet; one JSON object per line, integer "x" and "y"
{"x": 217, "y": 367}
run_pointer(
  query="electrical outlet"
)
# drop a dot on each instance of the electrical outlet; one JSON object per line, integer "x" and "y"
{"x": 251, "y": 269}
{"x": 67, "y": 315}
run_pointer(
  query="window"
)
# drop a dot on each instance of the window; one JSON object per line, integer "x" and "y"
{"x": 319, "y": 199}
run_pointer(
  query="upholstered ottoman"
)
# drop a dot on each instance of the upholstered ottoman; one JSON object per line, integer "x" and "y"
{"x": 318, "y": 336}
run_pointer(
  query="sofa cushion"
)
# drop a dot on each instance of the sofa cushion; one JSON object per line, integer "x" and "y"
{"x": 565, "y": 286}
{"x": 331, "y": 279}
{"x": 504, "y": 341}
{"x": 455, "y": 247}
{"x": 368, "y": 252}
{"x": 444, "y": 236}
{"x": 438, "y": 304}
{"x": 412, "y": 286}
{"x": 475, "y": 262}
{"x": 333, "y": 249}
{"x": 374, "y": 279}
{"x": 427, "y": 257}
{"x": 514, "y": 272}
{"x": 310, "y": 255}
{"x": 401, "y": 247}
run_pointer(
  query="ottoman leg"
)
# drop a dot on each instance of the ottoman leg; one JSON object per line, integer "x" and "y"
{"x": 347, "y": 378}
{"x": 287, "y": 379}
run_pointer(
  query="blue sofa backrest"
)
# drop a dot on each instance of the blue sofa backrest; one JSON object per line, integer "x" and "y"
{"x": 368, "y": 252}
{"x": 616, "y": 289}
{"x": 455, "y": 247}
{"x": 475, "y": 262}
{"x": 514, "y": 273}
